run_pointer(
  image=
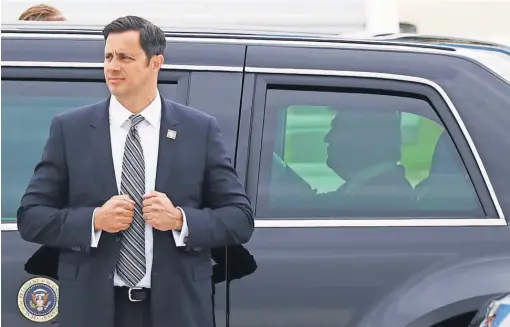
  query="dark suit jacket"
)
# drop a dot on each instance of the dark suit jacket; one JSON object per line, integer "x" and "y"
{"x": 388, "y": 194}
{"x": 385, "y": 195}
{"x": 76, "y": 174}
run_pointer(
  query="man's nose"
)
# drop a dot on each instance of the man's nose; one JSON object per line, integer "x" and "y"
{"x": 113, "y": 68}
{"x": 113, "y": 65}
{"x": 326, "y": 137}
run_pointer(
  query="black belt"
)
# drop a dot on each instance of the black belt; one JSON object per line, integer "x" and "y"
{"x": 133, "y": 294}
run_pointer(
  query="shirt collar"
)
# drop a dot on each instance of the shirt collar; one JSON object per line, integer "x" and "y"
{"x": 119, "y": 114}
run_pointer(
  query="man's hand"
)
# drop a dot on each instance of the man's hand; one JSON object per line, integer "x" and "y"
{"x": 115, "y": 215}
{"x": 160, "y": 213}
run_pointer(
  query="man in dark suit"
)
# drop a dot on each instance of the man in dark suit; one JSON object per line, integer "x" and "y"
{"x": 134, "y": 192}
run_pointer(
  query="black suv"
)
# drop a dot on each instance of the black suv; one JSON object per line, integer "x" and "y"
{"x": 377, "y": 168}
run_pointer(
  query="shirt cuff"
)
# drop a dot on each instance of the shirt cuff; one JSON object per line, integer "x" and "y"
{"x": 181, "y": 237}
{"x": 95, "y": 234}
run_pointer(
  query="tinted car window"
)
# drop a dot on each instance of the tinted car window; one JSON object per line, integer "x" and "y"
{"x": 27, "y": 110}
{"x": 352, "y": 155}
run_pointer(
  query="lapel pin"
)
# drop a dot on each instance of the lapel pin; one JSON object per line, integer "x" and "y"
{"x": 171, "y": 134}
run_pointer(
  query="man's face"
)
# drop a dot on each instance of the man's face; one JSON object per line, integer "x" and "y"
{"x": 126, "y": 67}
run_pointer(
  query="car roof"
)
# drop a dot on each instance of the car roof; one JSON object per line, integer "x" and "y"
{"x": 432, "y": 43}
{"x": 64, "y": 28}
{"x": 449, "y": 41}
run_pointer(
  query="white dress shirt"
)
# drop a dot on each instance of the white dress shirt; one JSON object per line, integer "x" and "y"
{"x": 148, "y": 130}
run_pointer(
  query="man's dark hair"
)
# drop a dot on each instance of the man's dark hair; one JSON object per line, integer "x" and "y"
{"x": 152, "y": 38}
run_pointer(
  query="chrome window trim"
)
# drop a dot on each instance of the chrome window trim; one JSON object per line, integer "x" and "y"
{"x": 65, "y": 64}
{"x": 271, "y": 223}
{"x": 332, "y": 223}
{"x": 300, "y": 223}
{"x": 23, "y": 35}
{"x": 7, "y": 227}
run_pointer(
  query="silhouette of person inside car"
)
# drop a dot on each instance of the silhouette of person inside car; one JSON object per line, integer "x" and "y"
{"x": 364, "y": 150}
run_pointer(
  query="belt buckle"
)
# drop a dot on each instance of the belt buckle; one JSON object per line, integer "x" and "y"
{"x": 130, "y": 295}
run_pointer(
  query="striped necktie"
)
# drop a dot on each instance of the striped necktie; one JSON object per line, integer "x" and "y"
{"x": 131, "y": 261}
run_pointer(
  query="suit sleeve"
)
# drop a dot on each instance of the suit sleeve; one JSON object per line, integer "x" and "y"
{"x": 43, "y": 217}
{"x": 227, "y": 217}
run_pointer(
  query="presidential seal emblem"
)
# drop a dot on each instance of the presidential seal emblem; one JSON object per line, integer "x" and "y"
{"x": 38, "y": 299}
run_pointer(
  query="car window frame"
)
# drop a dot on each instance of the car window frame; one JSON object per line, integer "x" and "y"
{"x": 84, "y": 75}
{"x": 89, "y": 74}
{"x": 259, "y": 79}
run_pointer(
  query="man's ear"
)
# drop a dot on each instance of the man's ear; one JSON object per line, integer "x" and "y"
{"x": 157, "y": 62}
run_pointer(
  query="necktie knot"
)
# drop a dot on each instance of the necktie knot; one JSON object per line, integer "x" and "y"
{"x": 135, "y": 120}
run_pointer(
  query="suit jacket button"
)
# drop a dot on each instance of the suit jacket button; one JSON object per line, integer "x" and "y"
{"x": 110, "y": 276}
{"x": 76, "y": 248}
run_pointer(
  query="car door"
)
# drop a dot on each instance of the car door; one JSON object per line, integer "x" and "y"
{"x": 360, "y": 182}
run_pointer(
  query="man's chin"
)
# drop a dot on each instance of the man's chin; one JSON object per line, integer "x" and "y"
{"x": 116, "y": 90}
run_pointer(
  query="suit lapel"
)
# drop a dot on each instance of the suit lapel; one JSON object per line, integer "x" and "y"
{"x": 168, "y": 146}
{"x": 102, "y": 149}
